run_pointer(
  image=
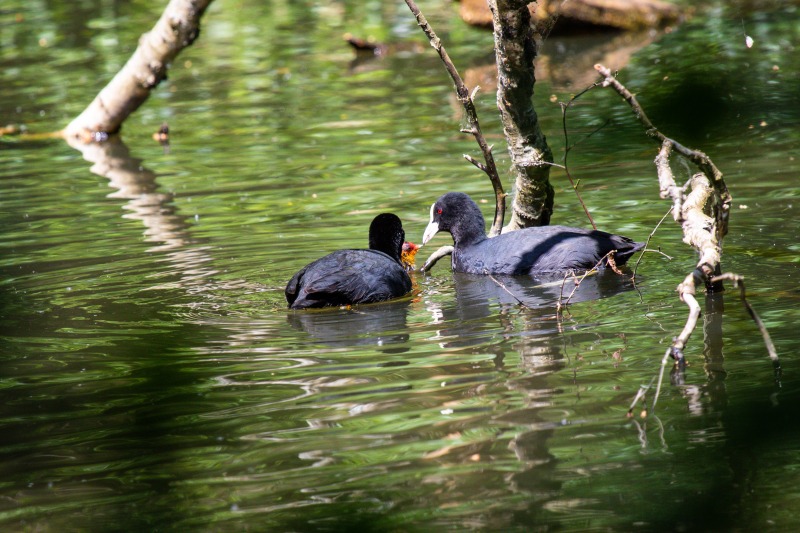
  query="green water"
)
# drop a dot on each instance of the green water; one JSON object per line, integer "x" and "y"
{"x": 152, "y": 379}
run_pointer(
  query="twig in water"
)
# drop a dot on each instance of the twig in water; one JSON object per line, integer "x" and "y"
{"x": 559, "y": 305}
{"x": 640, "y": 395}
{"x": 502, "y": 286}
{"x": 609, "y": 257}
{"x": 738, "y": 281}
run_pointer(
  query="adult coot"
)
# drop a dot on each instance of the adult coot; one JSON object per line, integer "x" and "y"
{"x": 525, "y": 251}
{"x": 347, "y": 277}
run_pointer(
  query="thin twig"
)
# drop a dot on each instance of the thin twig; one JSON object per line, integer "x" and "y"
{"x": 559, "y": 305}
{"x": 466, "y": 100}
{"x": 592, "y": 270}
{"x": 567, "y": 147}
{"x": 640, "y": 395}
{"x": 502, "y": 286}
{"x": 738, "y": 281}
{"x": 661, "y": 376}
{"x": 647, "y": 242}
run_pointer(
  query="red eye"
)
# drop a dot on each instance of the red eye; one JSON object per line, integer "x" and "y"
{"x": 439, "y": 211}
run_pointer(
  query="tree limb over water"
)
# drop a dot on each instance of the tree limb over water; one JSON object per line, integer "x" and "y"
{"x": 531, "y": 157}
{"x": 177, "y": 28}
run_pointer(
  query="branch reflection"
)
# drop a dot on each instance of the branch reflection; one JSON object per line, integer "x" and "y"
{"x": 164, "y": 225}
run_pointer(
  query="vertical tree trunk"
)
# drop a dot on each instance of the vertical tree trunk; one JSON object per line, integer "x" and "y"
{"x": 530, "y": 155}
{"x": 177, "y": 28}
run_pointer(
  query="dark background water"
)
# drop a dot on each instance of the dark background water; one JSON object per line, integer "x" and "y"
{"x": 152, "y": 378}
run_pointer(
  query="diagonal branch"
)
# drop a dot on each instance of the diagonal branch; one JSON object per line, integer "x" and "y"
{"x": 472, "y": 119}
{"x": 697, "y": 157}
{"x": 177, "y": 28}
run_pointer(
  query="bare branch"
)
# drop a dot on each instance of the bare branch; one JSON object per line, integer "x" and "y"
{"x": 738, "y": 281}
{"x": 502, "y": 286}
{"x": 666, "y": 181}
{"x": 177, "y": 28}
{"x": 472, "y": 118}
{"x": 647, "y": 243}
{"x": 703, "y": 232}
{"x": 568, "y": 147}
{"x": 697, "y": 157}
{"x": 475, "y": 162}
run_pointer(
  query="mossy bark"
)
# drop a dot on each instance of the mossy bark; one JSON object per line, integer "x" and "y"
{"x": 516, "y": 49}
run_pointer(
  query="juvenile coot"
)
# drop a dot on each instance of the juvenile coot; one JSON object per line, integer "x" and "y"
{"x": 409, "y": 251}
{"x": 347, "y": 277}
{"x": 525, "y": 251}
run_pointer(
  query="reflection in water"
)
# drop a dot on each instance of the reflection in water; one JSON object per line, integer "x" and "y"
{"x": 567, "y": 63}
{"x": 164, "y": 225}
{"x": 123, "y": 407}
{"x": 137, "y": 184}
{"x": 379, "y": 324}
{"x": 486, "y": 316}
{"x": 476, "y": 295}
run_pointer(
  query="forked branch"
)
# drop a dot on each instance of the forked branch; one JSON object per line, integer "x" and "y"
{"x": 702, "y": 231}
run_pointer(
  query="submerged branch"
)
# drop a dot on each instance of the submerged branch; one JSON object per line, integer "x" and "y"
{"x": 474, "y": 128}
{"x": 738, "y": 281}
{"x": 434, "y": 258}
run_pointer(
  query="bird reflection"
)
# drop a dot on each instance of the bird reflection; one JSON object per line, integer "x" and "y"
{"x": 478, "y": 297}
{"x": 383, "y": 324}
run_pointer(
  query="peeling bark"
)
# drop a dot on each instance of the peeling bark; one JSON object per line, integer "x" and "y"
{"x": 177, "y": 28}
{"x": 516, "y": 49}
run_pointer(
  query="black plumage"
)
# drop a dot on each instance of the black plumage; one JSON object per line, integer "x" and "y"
{"x": 525, "y": 251}
{"x": 355, "y": 276}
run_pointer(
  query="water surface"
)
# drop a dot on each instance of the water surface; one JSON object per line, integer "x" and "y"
{"x": 152, "y": 378}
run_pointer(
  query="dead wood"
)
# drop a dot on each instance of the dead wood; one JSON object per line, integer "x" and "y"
{"x": 703, "y": 215}
{"x": 177, "y": 28}
{"x": 564, "y": 16}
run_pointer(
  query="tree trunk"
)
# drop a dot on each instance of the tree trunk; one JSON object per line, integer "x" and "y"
{"x": 530, "y": 155}
{"x": 177, "y": 28}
